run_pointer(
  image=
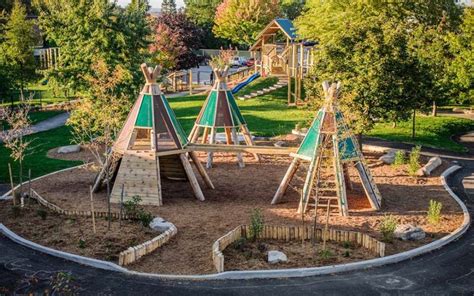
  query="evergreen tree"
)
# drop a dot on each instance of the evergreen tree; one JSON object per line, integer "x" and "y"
{"x": 168, "y": 6}
{"x": 17, "y": 48}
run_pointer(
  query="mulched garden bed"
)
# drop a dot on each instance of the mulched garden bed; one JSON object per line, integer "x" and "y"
{"x": 239, "y": 191}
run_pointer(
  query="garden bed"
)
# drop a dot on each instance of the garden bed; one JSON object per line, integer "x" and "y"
{"x": 239, "y": 191}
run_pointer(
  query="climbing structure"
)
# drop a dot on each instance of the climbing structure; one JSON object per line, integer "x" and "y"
{"x": 329, "y": 147}
{"x": 150, "y": 146}
{"x": 220, "y": 112}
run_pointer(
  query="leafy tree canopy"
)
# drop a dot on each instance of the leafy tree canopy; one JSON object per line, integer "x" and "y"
{"x": 291, "y": 9}
{"x": 168, "y": 6}
{"x": 241, "y": 20}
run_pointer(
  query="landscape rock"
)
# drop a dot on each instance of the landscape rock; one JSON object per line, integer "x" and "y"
{"x": 389, "y": 156}
{"x": 69, "y": 149}
{"x": 276, "y": 257}
{"x": 280, "y": 144}
{"x": 159, "y": 224}
{"x": 432, "y": 164}
{"x": 409, "y": 232}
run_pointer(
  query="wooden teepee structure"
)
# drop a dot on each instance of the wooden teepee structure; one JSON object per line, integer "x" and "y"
{"x": 150, "y": 146}
{"x": 329, "y": 147}
{"x": 220, "y": 112}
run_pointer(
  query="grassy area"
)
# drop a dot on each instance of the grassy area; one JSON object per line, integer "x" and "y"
{"x": 35, "y": 117}
{"x": 257, "y": 84}
{"x": 266, "y": 115}
{"x": 42, "y": 95}
{"x": 430, "y": 131}
{"x": 37, "y": 160}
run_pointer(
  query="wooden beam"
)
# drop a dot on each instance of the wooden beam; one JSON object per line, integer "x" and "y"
{"x": 191, "y": 177}
{"x": 211, "y": 141}
{"x": 240, "y": 160}
{"x": 248, "y": 140}
{"x": 286, "y": 180}
{"x": 201, "y": 170}
{"x": 241, "y": 148}
{"x": 171, "y": 152}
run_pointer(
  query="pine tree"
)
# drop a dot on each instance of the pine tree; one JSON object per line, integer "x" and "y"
{"x": 17, "y": 48}
{"x": 168, "y": 6}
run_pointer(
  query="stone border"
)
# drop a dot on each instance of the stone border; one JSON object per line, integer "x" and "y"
{"x": 288, "y": 233}
{"x": 281, "y": 273}
{"x": 132, "y": 254}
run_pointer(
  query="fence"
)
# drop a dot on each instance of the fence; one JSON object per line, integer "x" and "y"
{"x": 288, "y": 233}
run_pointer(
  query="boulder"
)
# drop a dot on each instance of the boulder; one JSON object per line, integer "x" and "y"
{"x": 276, "y": 257}
{"x": 159, "y": 224}
{"x": 429, "y": 167}
{"x": 389, "y": 156}
{"x": 69, "y": 149}
{"x": 280, "y": 144}
{"x": 409, "y": 232}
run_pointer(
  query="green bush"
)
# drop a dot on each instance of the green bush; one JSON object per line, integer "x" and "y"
{"x": 82, "y": 244}
{"x": 399, "y": 158}
{"x": 414, "y": 161}
{"x": 132, "y": 207}
{"x": 325, "y": 254}
{"x": 145, "y": 218}
{"x": 256, "y": 224}
{"x": 434, "y": 212}
{"x": 387, "y": 228}
{"x": 42, "y": 213}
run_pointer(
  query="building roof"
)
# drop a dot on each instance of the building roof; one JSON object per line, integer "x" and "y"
{"x": 279, "y": 24}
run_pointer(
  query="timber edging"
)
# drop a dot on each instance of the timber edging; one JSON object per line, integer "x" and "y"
{"x": 290, "y": 233}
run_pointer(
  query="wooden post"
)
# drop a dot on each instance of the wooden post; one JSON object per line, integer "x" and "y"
{"x": 192, "y": 177}
{"x": 240, "y": 160}
{"x": 158, "y": 180}
{"x": 11, "y": 183}
{"x": 228, "y": 136}
{"x": 211, "y": 141}
{"x": 201, "y": 170}
{"x": 286, "y": 180}
{"x": 121, "y": 205}
{"x": 29, "y": 183}
{"x": 92, "y": 209}
{"x": 248, "y": 139}
{"x": 326, "y": 226}
{"x": 190, "y": 82}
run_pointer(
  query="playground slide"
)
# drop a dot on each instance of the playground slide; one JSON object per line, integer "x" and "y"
{"x": 245, "y": 82}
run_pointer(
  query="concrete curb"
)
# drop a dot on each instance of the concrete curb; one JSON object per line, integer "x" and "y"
{"x": 7, "y": 197}
{"x": 280, "y": 273}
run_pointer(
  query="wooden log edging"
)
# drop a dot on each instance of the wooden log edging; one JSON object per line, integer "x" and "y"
{"x": 132, "y": 254}
{"x": 290, "y": 233}
{"x": 35, "y": 195}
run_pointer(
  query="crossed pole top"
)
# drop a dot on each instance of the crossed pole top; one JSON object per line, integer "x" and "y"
{"x": 221, "y": 73}
{"x": 151, "y": 74}
{"x": 331, "y": 92}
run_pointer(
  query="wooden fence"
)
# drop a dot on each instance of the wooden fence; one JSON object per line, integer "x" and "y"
{"x": 288, "y": 233}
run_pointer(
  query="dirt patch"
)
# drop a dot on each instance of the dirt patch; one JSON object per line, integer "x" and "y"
{"x": 238, "y": 191}
{"x": 83, "y": 155}
{"x": 253, "y": 255}
{"x": 73, "y": 234}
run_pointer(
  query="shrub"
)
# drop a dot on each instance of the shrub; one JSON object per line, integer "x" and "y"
{"x": 82, "y": 244}
{"x": 240, "y": 244}
{"x": 42, "y": 213}
{"x": 347, "y": 254}
{"x": 132, "y": 207}
{"x": 145, "y": 217}
{"x": 399, "y": 158}
{"x": 414, "y": 161}
{"x": 256, "y": 224}
{"x": 387, "y": 228}
{"x": 16, "y": 211}
{"x": 325, "y": 254}
{"x": 434, "y": 212}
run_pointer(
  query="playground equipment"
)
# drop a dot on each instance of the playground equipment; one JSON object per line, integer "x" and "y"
{"x": 329, "y": 147}
{"x": 220, "y": 111}
{"x": 244, "y": 83}
{"x": 151, "y": 146}
{"x": 278, "y": 52}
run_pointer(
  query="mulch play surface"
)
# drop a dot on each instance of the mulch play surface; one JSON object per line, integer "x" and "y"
{"x": 239, "y": 191}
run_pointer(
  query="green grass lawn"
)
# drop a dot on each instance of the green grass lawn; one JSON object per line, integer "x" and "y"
{"x": 35, "y": 117}
{"x": 42, "y": 95}
{"x": 266, "y": 115}
{"x": 430, "y": 131}
{"x": 36, "y": 158}
{"x": 257, "y": 84}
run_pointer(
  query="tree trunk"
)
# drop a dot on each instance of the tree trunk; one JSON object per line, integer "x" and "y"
{"x": 108, "y": 196}
{"x": 394, "y": 124}
{"x": 413, "y": 124}
{"x": 359, "y": 139}
{"x": 434, "y": 111}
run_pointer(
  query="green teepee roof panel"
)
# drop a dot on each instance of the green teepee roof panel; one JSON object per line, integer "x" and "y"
{"x": 145, "y": 117}
{"x": 183, "y": 138}
{"x": 311, "y": 140}
{"x": 209, "y": 113}
{"x": 223, "y": 111}
{"x": 346, "y": 143}
{"x": 236, "y": 115}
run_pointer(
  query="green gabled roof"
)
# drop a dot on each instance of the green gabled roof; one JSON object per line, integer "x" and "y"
{"x": 220, "y": 110}
{"x": 346, "y": 142}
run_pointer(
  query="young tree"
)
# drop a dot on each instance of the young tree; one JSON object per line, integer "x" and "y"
{"x": 91, "y": 30}
{"x": 176, "y": 39}
{"x": 462, "y": 66}
{"x": 14, "y": 138}
{"x": 201, "y": 12}
{"x": 241, "y": 21}
{"x": 17, "y": 48}
{"x": 168, "y": 6}
{"x": 291, "y": 9}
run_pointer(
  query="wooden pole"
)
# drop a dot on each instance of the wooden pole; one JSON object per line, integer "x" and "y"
{"x": 92, "y": 209}
{"x": 121, "y": 205}
{"x": 240, "y": 160}
{"x": 192, "y": 177}
{"x": 11, "y": 183}
{"x": 326, "y": 226}
{"x": 201, "y": 170}
{"x": 29, "y": 183}
{"x": 190, "y": 82}
{"x": 210, "y": 154}
{"x": 286, "y": 180}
